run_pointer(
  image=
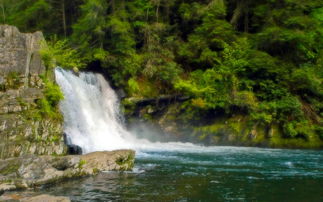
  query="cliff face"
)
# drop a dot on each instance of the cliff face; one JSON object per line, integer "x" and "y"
{"x": 19, "y": 52}
{"x": 20, "y": 88}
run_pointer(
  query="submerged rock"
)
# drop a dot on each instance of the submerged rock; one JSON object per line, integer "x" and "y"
{"x": 30, "y": 197}
{"x": 32, "y": 171}
{"x": 46, "y": 198}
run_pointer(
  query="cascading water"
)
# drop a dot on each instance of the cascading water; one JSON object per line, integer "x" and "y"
{"x": 92, "y": 120}
{"x": 91, "y": 112}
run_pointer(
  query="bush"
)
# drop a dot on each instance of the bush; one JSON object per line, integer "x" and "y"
{"x": 48, "y": 105}
{"x": 58, "y": 53}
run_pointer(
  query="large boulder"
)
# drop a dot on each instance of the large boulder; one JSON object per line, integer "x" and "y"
{"x": 32, "y": 171}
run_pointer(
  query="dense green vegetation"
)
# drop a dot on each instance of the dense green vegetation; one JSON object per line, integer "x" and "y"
{"x": 259, "y": 59}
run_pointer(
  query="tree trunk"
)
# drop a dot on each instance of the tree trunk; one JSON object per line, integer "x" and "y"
{"x": 237, "y": 13}
{"x": 113, "y": 5}
{"x": 167, "y": 11}
{"x": 123, "y": 4}
{"x": 147, "y": 15}
{"x": 241, "y": 10}
{"x": 123, "y": 7}
{"x": 64, "y": 17}
{"x": 3, "y": 13}
{"x": 246, "y": 20}
{"x": 157, "y": 10}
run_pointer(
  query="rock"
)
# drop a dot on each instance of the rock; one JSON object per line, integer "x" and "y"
{"x": 114, "y": 160}
{"x": 161, "y": 100}
{"x": 22, "y": 131}
{"x": 6, "y": 187}
{"x": 121, "y": 93}
{"x": 19, "y": 136}
{"x": 19, "y": 52}
{"x": 76, "y": 70}
{"x": 32, "y": 171}
{"x": 46, "y": 198}
{"x": 73, "y": 149}
{"x": 31, "y": 197}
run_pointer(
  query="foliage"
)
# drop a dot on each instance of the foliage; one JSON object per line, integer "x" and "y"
{"x": 58, "y": 53}
{"x": 81, "y": 164}
{"x": 13, "y": 81}
{"x": 48, "y": 105}
{"x": 260, "y": 59}
{"x": 25, "y": 14}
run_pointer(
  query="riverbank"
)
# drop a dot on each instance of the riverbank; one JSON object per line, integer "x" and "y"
{"x": 33, "y": 171}
{"x": 174, "y": 172}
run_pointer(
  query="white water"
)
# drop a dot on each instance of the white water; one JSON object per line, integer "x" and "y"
{"x": 92, "y": 119}
{"x": 90, "y": 108}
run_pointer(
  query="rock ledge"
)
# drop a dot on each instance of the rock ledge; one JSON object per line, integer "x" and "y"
{"x": 32, "y": 171}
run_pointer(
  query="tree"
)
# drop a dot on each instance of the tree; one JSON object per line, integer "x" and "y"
{"x": 2, "y": 5}
{"x": 90, "y": 30}
{"x": 29, "y": 15}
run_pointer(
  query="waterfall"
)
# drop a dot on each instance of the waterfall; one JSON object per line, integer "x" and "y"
{"x": 92, "y": 120}
{"x": 91, "y": 112}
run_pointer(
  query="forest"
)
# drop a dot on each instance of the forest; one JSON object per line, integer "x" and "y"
{"x": 259, "y": 59}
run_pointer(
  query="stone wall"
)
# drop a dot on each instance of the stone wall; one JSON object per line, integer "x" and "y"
{"x": 20, "y": 88}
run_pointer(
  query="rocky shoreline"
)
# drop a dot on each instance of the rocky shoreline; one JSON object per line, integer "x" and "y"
{"x": 27, "y": 172}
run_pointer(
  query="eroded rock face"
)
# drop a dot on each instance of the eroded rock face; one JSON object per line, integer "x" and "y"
{"x": 21, "y": 132}
{"x": 19, "y": 52}
{"x": 32, "y": 171}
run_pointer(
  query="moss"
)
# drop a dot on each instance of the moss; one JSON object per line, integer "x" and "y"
{"x": 11, "y": 167}
{"x": 147, "y": 88}
{"x": 128, "y": 106}
{"x": 5, "y": 181}
{"x": 2, "y": 87}
{"x": 259, "y": 138}
{"x": 13, "y": 81}
{"x": 147, "y": 117}
{"x": 126, "y": 163}
{"x": 95, "y": 170}
{"x": 55, "y": 138}
{"x": 81, "y": 164}
{"x": 223, "y": 130}
{"x": 280, "y": 142}
{"x": 47, "y": 106}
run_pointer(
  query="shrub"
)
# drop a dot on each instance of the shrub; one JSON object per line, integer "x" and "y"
{"x": 58, "y": 53}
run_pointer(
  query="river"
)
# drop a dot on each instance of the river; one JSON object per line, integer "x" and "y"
{"x": 216, "y": 174}
{"x": 175, "y": 171}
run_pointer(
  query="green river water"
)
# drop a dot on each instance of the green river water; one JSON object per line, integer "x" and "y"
{"x": 193, "y": 173}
